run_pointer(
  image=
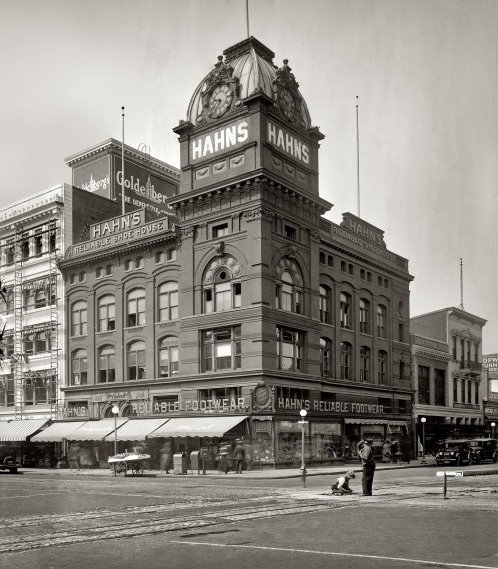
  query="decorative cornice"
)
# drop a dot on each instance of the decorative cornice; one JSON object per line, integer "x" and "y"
{"x": 433, "y": 355}
{"x": 113, "y": 145}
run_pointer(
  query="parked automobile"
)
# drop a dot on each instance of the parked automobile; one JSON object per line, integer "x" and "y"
{"x": 484, "y": 449}
{"x": 457, "y": 452}
{"x": 7, "y": 462}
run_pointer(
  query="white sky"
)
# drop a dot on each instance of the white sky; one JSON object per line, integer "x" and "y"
{"x": 425, "y": 72}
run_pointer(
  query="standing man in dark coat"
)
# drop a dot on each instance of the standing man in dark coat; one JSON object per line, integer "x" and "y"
{"x": 239, "y": 454}
{"x": 366, "y": 454}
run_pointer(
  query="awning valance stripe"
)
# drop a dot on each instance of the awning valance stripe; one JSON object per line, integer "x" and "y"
{"x": 56, "y": 432}
{"x": 137, "y": 429}
{"x": 197, "y": 427}
{"x": 19, "y": 429}
{"x": 366, "y": 421}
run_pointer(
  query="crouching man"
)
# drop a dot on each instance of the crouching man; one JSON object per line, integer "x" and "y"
{"x": 341, "y": 485}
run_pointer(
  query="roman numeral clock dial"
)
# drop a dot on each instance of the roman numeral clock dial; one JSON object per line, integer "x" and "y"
{"x": 219, "y": 101}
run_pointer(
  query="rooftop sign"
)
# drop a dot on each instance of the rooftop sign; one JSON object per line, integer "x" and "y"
{"x": 118, "y": 231}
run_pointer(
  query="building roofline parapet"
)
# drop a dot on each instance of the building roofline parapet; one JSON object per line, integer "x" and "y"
{"x": 114, "y": 145}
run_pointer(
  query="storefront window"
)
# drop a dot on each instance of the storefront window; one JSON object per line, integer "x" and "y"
{"x": 288, "y": 441}
{"x": 326, "y": 441}
{"x": 262, "y": 441}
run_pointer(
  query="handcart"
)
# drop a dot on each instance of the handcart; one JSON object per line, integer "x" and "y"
{"x": 130, "y": 463}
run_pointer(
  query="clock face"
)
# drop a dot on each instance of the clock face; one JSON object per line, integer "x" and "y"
{"x": 220, "y": 101}
{"x": 287, "y": 103}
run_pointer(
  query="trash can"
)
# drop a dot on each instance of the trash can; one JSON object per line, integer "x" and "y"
{"x": 195, "y": 460}
{"x": 180, "y": 463}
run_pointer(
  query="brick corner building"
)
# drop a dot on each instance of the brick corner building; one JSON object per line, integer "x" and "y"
{"x": 246, "y": 305}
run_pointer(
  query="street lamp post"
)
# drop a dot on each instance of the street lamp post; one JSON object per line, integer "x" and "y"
{"x": 115, "y": 411}
{"x": 493, "y": 425}
{"x": 303, "y": 414}
{"x": 423, "y": 420}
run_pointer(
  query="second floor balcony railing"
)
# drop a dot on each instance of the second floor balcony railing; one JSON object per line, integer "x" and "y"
{"x": 471, "y": 365}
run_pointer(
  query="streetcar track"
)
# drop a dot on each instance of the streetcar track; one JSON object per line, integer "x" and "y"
{"x": 12, "y": 544}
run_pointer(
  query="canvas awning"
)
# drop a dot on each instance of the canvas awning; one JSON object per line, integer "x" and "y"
{"x": 56, "y": 432}
{"x": 392, "y": 423}
{"x": 366, "y": 421}
{"x": 96, "y": 430}
{"x": 197, "y": 427}
{"x": 19, "y": 429}
{"x": 137, "y": 429}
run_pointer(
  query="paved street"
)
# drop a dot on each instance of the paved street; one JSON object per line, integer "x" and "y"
{"x": 62, "y": 520}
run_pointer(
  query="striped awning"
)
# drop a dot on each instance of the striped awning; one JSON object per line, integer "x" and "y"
{"x": 366, "y": 421}
{"x": 20, "y": 429}
{"x": 136, "y": 429}
{"x": 96, "y": 430}
{"x": 197, "y": 427}
{"x": 56, "y": 432}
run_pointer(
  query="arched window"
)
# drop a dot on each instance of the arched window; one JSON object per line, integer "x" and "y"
{"x": 345, "y": 360}
{"x": 79, "y": 367}
{"x": 325, "y": 304}
{"x": 107, "y": 364}
{"x": 345, "y": 310}
{"x": 365, "y": 363}
{"x": 382, "y": 367}
{"x": 79, "y": 318}
{"x": 223, "y": 294}
{"x": 325, "y": 357}
{"x": 364, "y": 316}
{"x": 106, "y": 313}
{"x": 288, "y": 295}
{"x": 135, "y": 307}
{"x": 168, "y": 301}
{"x": 136, "y": 360}
{"x": 168, "y": 356}
{"x": 381, "y": 321}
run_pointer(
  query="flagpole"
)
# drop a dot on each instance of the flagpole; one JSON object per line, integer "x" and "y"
{"x": 461, "y": 284}
{"x": 122, "y": 164}
{"x": 357, "y": 156}
{"x": 247, "y": 17}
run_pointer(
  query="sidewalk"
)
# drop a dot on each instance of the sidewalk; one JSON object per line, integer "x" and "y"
{"x": 260, "y": 474}
{"x": 267, "y": 473}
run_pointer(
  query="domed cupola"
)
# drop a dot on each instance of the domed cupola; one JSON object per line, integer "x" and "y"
{"x": 247, "y": 70}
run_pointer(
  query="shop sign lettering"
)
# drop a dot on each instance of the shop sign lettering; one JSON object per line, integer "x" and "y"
{"x": 285, "y": 141}
{"x": 189, "y": 406}
{"x": 117, "y": 225}
{"x": 219, "y": 140}
{"x": 119, "y": 396}
{"x": 148, "y": 190}
{"x": 74, "y": 411}
{"x": 330, "y": 406}
{"x": 122, "y": 237}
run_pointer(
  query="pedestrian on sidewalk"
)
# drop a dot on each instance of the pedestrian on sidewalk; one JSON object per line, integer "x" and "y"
{"x": 224, "y": 453}
{"x": 394, "y": 452}
{"x": 239, "y": 454}
{"x": 367, "y": 460}
{"x": 166, "y": 457}
{"x": 386, "y": 451}
{"x": 341, "y": 485}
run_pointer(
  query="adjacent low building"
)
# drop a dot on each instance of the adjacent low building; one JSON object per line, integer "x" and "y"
{"x": 447, "y": 374}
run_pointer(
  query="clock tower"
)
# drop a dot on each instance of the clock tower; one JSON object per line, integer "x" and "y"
{"x": 249, "y": 217}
